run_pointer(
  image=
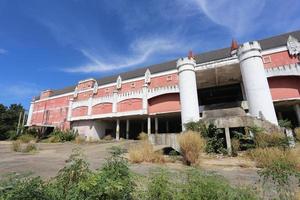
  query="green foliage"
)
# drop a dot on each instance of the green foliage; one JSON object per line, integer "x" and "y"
{"x": 285, "y": 123}
{"x": 26, "y": 138}
{"x": 279, "y": 173}
{"x": 62, "y": 136}
{"x": 20, "y": 187}
{"x": 215, "y": 137}
{"x": 9, "y": 119}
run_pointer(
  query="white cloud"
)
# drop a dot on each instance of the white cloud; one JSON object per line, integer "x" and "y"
{"x": 236, "y": 15}
{"x": 140, "y": 51}
{"x": 3, "y": 51}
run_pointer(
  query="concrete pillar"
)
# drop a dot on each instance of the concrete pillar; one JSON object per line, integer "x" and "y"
{"x": 118, "y": 130}
{"x": 127, "y": 128}
{"x": 255, "y": 82}
{"x": 90, "y": 106}
{"x": 188, "y": 90}
{"x": 149, "y": 125}
{"x": 70, "y": 109}
{"x": 115, "y": 101}
{"x": 297, "y": 110}
{"x": 28, "y": 123}
{"x": 228, "y": 141}
{"x": 145, "y": 99}
{"x": 156, "y": 125}
{"x": 167, "y": 126}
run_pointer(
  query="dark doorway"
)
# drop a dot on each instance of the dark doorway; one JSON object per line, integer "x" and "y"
{"x": 220, "y": 94}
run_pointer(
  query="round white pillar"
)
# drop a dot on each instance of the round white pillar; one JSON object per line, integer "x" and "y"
{"x": 255, "y": 82}
{"x": 188, "y": 90}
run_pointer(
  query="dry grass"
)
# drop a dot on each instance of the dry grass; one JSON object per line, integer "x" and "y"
{"x": 18, "y": 146}
{"x": 26, "y": 138}
{"x": 297, "y": 134}
{"x": 108, "y": 137}
{"x": 144, "y": 152}
{"x": 264, "y": 157}
{"x": 191, "y": 145}
{"x": 235, "y": 143}
{"x": 80, "y": 139}
{"x": 273, "y": 139}
{"x": 143, "y": 136}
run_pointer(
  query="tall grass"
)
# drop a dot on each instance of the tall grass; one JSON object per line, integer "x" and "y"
{"x": 144, "y": 152}
{"x": 191, "y": 145}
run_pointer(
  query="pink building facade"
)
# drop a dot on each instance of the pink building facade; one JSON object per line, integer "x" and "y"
{"x": 261, "y": 78}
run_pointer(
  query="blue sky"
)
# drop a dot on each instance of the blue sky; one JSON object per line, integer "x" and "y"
{"x": 52, "y": 43}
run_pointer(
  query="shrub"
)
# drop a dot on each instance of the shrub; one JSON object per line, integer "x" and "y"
{"x": 19, "y": 188}
{"x": 112, "y": 181}
{"x": 297, "y": 134}
{"x": 144, "y": 152}
{"x": 62, "y": 136}
{"x": 12, "y": 134}
{"x": 191, "y": 145}
{"x": 25, "y": 138}
{"x": 16, "y": 146}
{"x": 143, "y": 136}
{"x": 160, "y": 186}
{"x": 275, "y": 139}
{"x": 30, "y": 147}
{"x": 199, "y": 185}
{"x": 285, "y": 123}
{"x": 80, "y": 139}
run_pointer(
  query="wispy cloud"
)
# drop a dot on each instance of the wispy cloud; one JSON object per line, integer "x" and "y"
{"x": 3, "y": 51}
{"x": 140, "y": 51}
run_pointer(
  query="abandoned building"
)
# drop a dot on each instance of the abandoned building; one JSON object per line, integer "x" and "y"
{"x": 258, "y": 79}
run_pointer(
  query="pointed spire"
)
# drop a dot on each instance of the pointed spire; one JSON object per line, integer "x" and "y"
{"x": 190, "y": 55}
{"x": 234, "y": 45}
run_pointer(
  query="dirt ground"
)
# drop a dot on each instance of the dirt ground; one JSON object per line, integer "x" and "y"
{"x": 51, "y": 157}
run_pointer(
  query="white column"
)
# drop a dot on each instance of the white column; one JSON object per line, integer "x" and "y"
{"x": 90, "y": 103}
{"x": 70, "y": 109}
{"x": 118, "y": 130}
{"x": 297, "y": 110}
{"x": 228, "y": 141}
{"x": 188, "y": 90}
{"x": 145, "y": 99}
{"x": 28, "y": 123}
{"x": 127, "y": 129}
{"x": 149, "y": 125}
{"x": 156, "y": 124}
{"x": 115, "y": 101}
{"x": 255, "y": 82}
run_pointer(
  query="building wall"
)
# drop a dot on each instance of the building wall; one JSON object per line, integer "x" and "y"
{"x": 279, "y": 59}
{"x": 80, "y": 111}
{"x": 129, "y": 105}
{"x": 285, "y": 87}
{"x": 102, "y": 108}
{"x": 164, "y": 103}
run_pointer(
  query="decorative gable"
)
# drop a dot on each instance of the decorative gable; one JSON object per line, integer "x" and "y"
{"x": 293, "y": 46}
{"x": 119, "y": 82}
{"x": 147, "y": 76}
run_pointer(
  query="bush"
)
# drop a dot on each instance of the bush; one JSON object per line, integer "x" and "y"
{"x": 16, "y": 146}
{"x": 278, "y": 166}
{"x": 62, "y": 136}
{"x": 297, "y": 134}
{"x": 275, "y": 139}
{"x": 19, "y": 188}
{"x": 108, "y": 138}
{"x": 191, "y": 145}
{"x": 143, "y": 136}
{"x": 79, "y": 139}
{"x": 30, "y": 147}
{"x": 144, "y": 152}
{"x": 285, "y": 123}
{"x": 25, "y": 138}
{"x": 12, "y": 134}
